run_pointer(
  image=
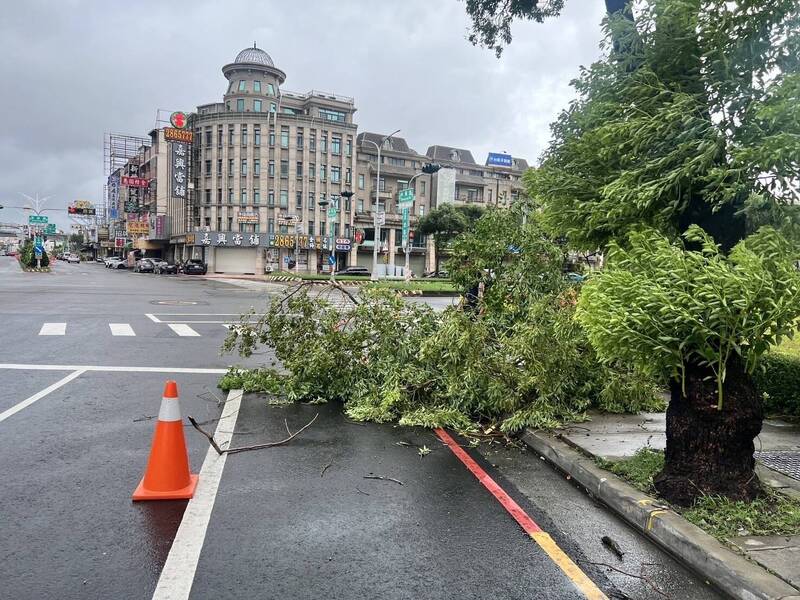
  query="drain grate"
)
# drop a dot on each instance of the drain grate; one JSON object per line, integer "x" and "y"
{"x": 786, "y": 462}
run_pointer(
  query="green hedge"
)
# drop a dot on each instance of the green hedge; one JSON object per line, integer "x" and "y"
{"x": 779, "y": 378}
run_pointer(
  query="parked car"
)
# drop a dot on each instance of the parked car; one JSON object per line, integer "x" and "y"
{"x": 354, "y": 271}
{"x": 116, "y": 262}
{"x": 99, "y": 259}
{"x": 165, "y": 268}
{"x": 72, "y": 258}
{"x": 195, "y": 266}
{"x": 441, "y": 274}
{"x": 144, "y": 265}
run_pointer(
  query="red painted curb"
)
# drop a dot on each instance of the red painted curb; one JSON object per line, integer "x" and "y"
{"x": 514, "y": 509}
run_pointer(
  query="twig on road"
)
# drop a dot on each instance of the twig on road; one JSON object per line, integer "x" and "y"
{"x": 362, "y": 492}
{"x": 144, "y": 418}
{"x": 642, "y": 577}
{"x": 325, "y": 468}
{"x": 382, "y": 478}
{"x": 219, "y": 450}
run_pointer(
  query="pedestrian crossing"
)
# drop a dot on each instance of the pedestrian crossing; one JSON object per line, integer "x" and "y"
{"x": 127, "y": 330}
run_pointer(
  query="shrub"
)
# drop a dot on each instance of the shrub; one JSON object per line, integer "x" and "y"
{"x": 779, "y": 380}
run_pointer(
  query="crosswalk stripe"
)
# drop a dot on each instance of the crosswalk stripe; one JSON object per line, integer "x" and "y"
{"x": 53, "y": 329}
{"x": 183, "y": 330}
{"x": 121, "y": 329}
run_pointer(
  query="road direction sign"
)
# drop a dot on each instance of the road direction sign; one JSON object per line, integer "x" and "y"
{"x": 406, "y": 219}
{"x": 331, "y": 212}
{"x": 331, "y": 260}
{"x": 37, "y": 219}
{"x": 50, "y": 229}
{"x": 405, "y": 197}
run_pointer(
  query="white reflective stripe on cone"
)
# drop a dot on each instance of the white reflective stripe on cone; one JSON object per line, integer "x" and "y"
{"x": 170, "y": 410}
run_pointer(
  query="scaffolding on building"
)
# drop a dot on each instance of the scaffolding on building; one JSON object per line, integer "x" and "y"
{"x": 118, "y": 150}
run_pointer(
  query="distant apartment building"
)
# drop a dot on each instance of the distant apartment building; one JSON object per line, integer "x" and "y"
{"x": 264, "y": 179}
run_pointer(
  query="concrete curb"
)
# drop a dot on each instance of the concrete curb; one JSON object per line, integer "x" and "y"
{"x": 729, "y": 572}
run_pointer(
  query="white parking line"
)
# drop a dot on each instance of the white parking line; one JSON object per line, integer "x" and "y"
{"x": 121, "y": 329}
{"x": 53, "y": 329}
{"x": 110, "y": 369}
{"x": 183, "y": 330}
{"x": 177, "y": 576}
{"x": 28, "y": 401}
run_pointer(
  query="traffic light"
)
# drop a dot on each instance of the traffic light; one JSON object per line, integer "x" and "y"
{"x": 430, "y": 168}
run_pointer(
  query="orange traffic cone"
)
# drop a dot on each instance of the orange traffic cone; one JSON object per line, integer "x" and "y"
{"x": 167, "y": 475}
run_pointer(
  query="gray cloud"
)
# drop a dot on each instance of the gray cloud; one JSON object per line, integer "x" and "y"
{"x": 76, "y": 69}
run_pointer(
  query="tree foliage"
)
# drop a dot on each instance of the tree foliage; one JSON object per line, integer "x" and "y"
{"x": 660, "y": 307}
{"x": 445, "y": 222}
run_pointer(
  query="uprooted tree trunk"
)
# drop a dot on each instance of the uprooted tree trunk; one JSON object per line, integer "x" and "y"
{"x": 710, "y": 450}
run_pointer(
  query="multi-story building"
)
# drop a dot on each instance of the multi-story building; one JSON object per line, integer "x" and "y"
{"x": 268, "y": 171}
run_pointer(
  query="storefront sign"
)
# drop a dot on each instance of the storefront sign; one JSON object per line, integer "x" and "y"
{"x": 137, "y": 182}
{"x": 190, "y": 239}
{"x": 138, "y": 228}
{"x": 119, "y": 242}
{"x": 499, "y": 160}
{"x": 287, "y": 219}
{"x": 172, "y": 134}
{"x": 113, "y": 194}
{"x": 178, "y": 162}
{"x": 272, "y": 240}
{"x": 81, "y": 207}
{"x": 343, "y": 244}
{"x": 178, "y": 119}
{"x": 247, "y": 217}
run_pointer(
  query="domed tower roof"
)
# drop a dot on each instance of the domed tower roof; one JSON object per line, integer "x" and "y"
{"x": 254, "y": 56}
{"x": 253, "y": 59}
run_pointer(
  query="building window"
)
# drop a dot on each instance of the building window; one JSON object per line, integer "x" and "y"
{"x": 332, "y": 115}
{"x": 284, "y": 168}
{"x": 244, "y": 135}
{"x": 322, "y": 174}
{"x": 219, "y": 195}
{"x": 273, "y": 107}
{"x": 382, "y": 186}
{"x": 284, "y": 137}
{"x": 257, "y": 86}
{"x": 284, "y": 198}
{"x": 335, "y": 201}
{"x": 336, "y": 146}
{"x": 349, "y": 147}
{"x": 271, "y": 138}
{"x": 312, "y": 170}
{"x": 402, "y": 184}
{"x": 311, "y": 228}
{"x": 300, "y": 138}
{"x": 219, "y": 223}
{"x": 347, "y": 205}
{"x": 256, "y": 135}
{"x": 241, "y": 85}
{"x": 298, "y": 200}
{"x": 219, "y": 136}
{"x": 230, "y": 167}
{"x": 323, "y": 144}
{"x": 361, "y": 181}
{"x": 256, "y": 105}
{"x": 271, "y": 168}
{"x": 311, "y": 199}
{"x": 208, "y": 168}
{"x": 230, "y": 135}
{"x": 360, "y": 205}
{"x": 230, "y": 195}
{"x": 243, "y": 199}
{"x": 421, "y": 211}
{"x": 424, "y": 184}
{"x": 208, "y": 136}
{"x": 322, "y": 198}
{"x": 256, "y": 167}
{"x": 256, "y": 196}
{"x": 348, "y": 176}
{"x": 270, "y": 198}
{"x": 240, "y": 105}
{"x": 270, "y": 89}
{"x": 336, "y": 174}
{"x": 219, "y": 167}
{"x": 208, "y": 196}
{"x": 398, "y": 162}
{"x": 312, "y": 143}
{"x": 271, "y": 226}
{"x": 284, "y": 229}
{"x": 299, "y": 170}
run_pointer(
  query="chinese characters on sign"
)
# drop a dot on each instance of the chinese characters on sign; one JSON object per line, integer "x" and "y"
{"x": 247, "y": 217}
{"x": 138, "y": 228}
{"x": 179, "y": 157}
{"x": 113, "y": 194}
{"x": 139, "y": 182}
{"x": 303, "y": 242}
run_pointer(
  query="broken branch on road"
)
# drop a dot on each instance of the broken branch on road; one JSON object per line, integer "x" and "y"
{"x": 219, "y": 450}
{"x": 382, "y": 478}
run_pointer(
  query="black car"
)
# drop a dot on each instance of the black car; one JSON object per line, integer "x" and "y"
{"x": 166, "y": 268}
{"x": 354, "y": 271}
{"x": 195, "y": 266}
{"x": 144, "y": 265}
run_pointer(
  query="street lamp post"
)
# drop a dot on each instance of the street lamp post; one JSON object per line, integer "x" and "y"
{"x": 428, "y": 169}
{"x": 377, "y": 228}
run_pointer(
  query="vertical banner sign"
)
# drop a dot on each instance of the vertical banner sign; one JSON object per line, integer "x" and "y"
{"x": 113, "y": 194}
{"x": 179, "y": 157}
{"x": 405, "y": 227}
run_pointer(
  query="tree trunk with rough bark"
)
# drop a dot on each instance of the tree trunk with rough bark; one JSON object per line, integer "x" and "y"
{"x": 709, "y": 450}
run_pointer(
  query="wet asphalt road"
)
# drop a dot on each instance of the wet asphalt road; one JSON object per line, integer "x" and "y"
{"x": 280, "y": 528}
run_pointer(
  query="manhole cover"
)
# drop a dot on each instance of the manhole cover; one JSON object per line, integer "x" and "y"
{"x": 783, "y": 461}
{"x": 175, "y": 302}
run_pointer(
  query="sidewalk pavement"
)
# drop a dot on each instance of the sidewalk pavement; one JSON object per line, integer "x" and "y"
{"x": 614, "y": 437}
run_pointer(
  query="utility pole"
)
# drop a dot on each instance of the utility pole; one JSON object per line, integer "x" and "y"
{"x": 427, "y": 169}
{"x": 377, "y": 227}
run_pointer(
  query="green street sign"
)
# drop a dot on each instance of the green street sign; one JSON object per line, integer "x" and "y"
{"x": 331, "y": 212}
{"x": 406, "y": 226}
{"x": 37, "y": 241}
{"x": 405, "y": 196}
{"x": 36, "y": 219}
{"x": 50, "y": 229}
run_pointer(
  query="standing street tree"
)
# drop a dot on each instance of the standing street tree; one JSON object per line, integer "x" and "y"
{"x": 689, "y": 125}
{"x": 444, "y": 223}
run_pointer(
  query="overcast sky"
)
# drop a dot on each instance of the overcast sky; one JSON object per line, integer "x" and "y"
{"x": 73, "y": 70}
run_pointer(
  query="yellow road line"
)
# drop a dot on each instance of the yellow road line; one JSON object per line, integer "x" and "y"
{"x": 586, "y": 586}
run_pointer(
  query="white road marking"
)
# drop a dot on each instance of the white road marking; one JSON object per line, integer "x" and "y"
{"x": 28, "y": 401}
{"x": 152, "y": 317}
{"x": 121, "y": 329}
{"x": 110, "y": 369}
{"x": 53, "y": 329}
{"x": 183, "y": 330}
{"x": 177, "y": 576}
